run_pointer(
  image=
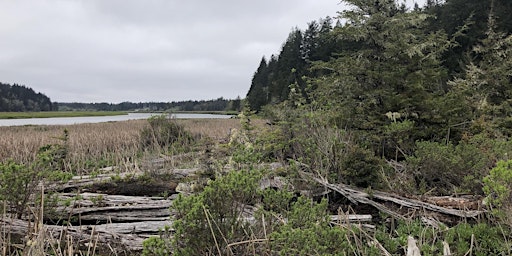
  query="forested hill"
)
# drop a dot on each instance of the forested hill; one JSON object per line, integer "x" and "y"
{"x": 455, "y": 27}
{"x": 19, "y": 98}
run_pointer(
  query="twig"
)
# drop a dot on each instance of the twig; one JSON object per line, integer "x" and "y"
{"x": 259, "y": 240}
{"x": 470, "y": 252}
{"x": 211, "y": 230}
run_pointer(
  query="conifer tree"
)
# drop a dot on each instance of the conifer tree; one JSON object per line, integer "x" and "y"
{"x": 487, "y": 82}
{"x": 258, "y": 93}
{"x": 393, "y": 67}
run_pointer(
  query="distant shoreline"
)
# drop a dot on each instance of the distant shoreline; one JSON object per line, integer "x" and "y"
{"x": 50, "y": 114}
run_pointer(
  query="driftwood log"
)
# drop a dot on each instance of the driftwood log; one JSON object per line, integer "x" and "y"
{"x": 104, "y": 208}
{"x": 378, "y": 198}
{"x": 128, "y": 235}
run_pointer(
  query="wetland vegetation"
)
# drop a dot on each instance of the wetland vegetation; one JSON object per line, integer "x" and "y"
{"x": 388, "y": 134}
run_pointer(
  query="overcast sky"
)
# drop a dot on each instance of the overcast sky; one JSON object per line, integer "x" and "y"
{"x": 145, "y": 50}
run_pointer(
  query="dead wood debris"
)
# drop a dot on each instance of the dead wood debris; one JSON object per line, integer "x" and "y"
{"x": 449, "y": 206}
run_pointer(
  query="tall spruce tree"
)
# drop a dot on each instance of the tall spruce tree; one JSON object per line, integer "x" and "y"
{"x": 487, "y": 82}
{"x": 390, "y": 82}
{"x": 289, "y": 67}
{"x": 258, "y": 94}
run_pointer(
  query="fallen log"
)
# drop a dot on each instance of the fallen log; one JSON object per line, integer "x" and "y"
{"x": 129, "y": 235}
{"x": 103, "y": 208}
{"x": 77, "y": 183}
{"x": 359, "y": 196}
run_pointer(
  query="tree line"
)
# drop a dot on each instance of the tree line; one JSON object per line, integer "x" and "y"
{"x": 19, "y": 98}
{"x": 219, "y": 104}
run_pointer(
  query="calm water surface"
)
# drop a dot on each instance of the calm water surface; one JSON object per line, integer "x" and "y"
{"x": 96, "y": 119}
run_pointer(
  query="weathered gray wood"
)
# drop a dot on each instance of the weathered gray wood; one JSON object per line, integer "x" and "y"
{"x": 359, "y": 196}
{"x": 352, "y": 218}
{"x": 129, "y": 235}
{"x": 80, "y": 182}
{"x": 145, "y": 227}
{"x": 113, "y": 208}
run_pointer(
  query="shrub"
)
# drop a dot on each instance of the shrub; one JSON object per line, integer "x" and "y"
{"x": 498, "y": 189}
{"x": 158, "y": 246}
{"x": 207, "y": 222}
{"x": 163, "y": 133}
{"x": 17, "y": 184}
{"x": 481, "y": 239}
{"x": 54, "y": 156}
{"x": 308, "y": 232}
{"x": 448, "y": 168}
{"x": 360, "y": 168}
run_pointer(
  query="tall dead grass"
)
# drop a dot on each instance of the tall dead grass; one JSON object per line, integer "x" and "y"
{"x": 112, "y": 143}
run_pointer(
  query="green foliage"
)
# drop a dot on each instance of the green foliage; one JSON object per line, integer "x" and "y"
{"x": 442, "y": 167}
{"x": 17, "y": 184}
{"x": 498, "y": 187}
{"x": 308, "y": 232}
{"x": 158, "y": 246}
{"x": 477, "y": 239}
{"x": 482, "y": 239}
{"x": 165, "y": 133}
{"x": 276, "y": 201}
{"x": 53, "y": 156}
{"x": 446, "y": 168}
{"x": 212, "y": 217}
{"x": 244, "y": 149}
{"x": 360, "y": 167}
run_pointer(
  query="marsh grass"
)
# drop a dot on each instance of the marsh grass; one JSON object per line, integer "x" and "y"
{"x": 92, "y": 146}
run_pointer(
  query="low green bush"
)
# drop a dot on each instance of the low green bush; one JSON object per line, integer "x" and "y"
{"x": 164, "y": 133}
{"x": 498, "y": 189}
{"x": 207, "y": 222}
{"x": 19, "y": 182}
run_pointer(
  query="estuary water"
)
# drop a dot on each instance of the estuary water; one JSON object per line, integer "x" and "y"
{"x": 97, "y": 119}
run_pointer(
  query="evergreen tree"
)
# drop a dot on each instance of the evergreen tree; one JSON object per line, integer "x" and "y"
{"x": 310, "y": 42}
{"x": 258, "y": 93}
{"x": 455, "y": 14}
{"x": 390, "y": 82}
{"x": 487, "y": 82}
{"x": 18, "y": 98}
{"x": 289, "y": 68}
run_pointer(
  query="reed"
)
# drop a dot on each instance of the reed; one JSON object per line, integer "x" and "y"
{"x": 99, "y": 144}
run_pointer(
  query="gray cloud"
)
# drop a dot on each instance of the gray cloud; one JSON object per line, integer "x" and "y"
{"x": 145, "y": 50}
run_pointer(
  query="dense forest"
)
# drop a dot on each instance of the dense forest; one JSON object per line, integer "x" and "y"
{"x": 18, "y": 98}
{"x": 427, "y": 90}
{"x": 459, "y": 25}
{"x": 219, "y": 104}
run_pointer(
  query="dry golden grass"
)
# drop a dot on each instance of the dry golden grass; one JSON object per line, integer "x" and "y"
{"x": 113, "y": 142}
